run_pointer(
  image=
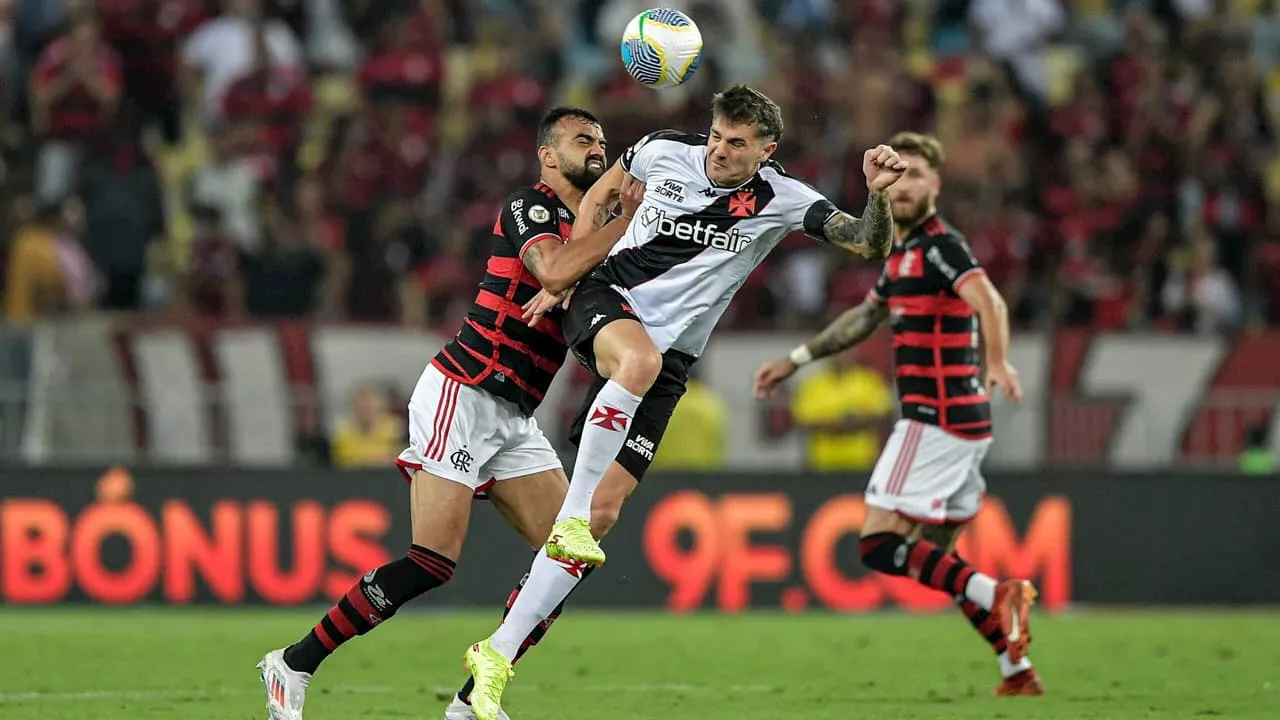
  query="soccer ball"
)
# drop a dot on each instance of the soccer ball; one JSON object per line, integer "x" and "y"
{"x": 661, "y": 47}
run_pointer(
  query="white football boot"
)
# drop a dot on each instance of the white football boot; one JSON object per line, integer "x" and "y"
{"x": 286, "y": 688}
{"x": 459, "y": 710}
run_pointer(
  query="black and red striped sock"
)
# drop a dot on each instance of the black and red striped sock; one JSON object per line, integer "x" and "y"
{"x": 375, "y": 598}
{"x": 927, "y": 564}
{"x": 985, "y": 622}
{"x": 464, "y": 693}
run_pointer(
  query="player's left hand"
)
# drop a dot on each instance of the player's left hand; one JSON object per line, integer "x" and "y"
{"x": 541, "y": 303}
{"x": 770, "y": 375}
{"x": 1003, "y": 375}
{"x": 883, "y": 166}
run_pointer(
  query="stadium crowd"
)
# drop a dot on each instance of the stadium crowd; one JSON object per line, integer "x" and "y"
{"x": 1112, "y": 163}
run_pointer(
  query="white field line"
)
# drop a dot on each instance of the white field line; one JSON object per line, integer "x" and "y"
{"x": 249, "y": 690}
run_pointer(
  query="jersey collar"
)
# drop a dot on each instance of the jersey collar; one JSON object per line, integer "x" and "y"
{"x": 917, "y": 232}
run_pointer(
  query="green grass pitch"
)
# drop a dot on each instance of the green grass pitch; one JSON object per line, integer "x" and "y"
{"x": 194, "y": 664}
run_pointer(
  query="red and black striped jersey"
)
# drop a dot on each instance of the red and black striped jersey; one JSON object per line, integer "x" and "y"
{"x": 935, "y": 332}
{"x": 496, "y": 350}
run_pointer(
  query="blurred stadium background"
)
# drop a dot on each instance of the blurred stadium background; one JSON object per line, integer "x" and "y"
{"x": 234, "y": 231}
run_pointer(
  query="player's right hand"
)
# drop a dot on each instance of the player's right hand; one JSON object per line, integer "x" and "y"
{"x": 1006, "y": 378}
{"x": 631, "y": 195}
{"x": 770, "y": 376}
{"x": 540, "y": 304}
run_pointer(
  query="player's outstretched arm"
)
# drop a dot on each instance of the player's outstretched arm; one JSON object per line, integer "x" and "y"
{"x": 869, "y": 236}
{"x": 852, "y": 327}
{"x": 557, "y": 266}
{"x": 593, "y": 210}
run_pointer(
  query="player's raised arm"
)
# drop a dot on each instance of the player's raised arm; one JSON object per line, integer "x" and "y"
{"x": 852, "y": 327}
{"x": 558, "y": 265}
{"x": 598, "y": 202}
{"x": 870, "y": 236}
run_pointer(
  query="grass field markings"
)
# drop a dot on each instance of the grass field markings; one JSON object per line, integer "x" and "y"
{"x": 440, "y": 691}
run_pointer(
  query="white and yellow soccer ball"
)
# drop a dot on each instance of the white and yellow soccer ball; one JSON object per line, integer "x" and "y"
{"x": 661, "y": 47}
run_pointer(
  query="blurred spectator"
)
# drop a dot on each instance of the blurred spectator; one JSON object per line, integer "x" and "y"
{"x": 285, "y": 277}
{"x": 272, "y": 102}
{"x": 124, "y": 204}
{"x": 146, "y": 34}
{"x": 369, "y": 435}
{"x": 48, "y": 271}
{"x": 229, "y": 183}
{"x": 1203, "y": 296}
{"x": 403, "y": 76}
{"x": 843, "y": 409}
{"x": 212, "y": 286}
{"x": 76, "y": 89}
{"x": 695, "y": 436}
{"x": 1018, "y": 32}
{"x": 222, "y": 50}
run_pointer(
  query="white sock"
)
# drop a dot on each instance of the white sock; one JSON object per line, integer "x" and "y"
{"x": 603, "y": 436}
{"x": 1009, "y": 669}
{"x": 981, "y": 589}
{"x": 548, "y": 585}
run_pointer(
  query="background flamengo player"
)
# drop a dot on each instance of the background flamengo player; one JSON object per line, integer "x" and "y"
{"x": 471, "y": 424}
{"x": 928, "y": 482}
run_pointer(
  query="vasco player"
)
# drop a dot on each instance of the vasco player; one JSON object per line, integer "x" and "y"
{"x": 714, "y": 206}
{"x": 928, "y": 483}
{"x": 471, "y": 425}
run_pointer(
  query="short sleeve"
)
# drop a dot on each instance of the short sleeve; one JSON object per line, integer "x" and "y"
{"x": 804, "y": 207}
{"x": 816, "y": 215}
{"x": 637, "y": 158}
{"x": 527, "y": 218}
{"x": 950, "y": 257}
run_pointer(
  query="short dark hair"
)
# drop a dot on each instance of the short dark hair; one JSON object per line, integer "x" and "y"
{"x": 547, "y": 126}
{"x": 926, "y": 146}
{"x": 742, "y": 105}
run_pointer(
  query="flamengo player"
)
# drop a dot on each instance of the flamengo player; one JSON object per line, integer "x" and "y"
{"x": 471, "y": 428}
{"x": 714, "y": 206}
{"x": 929, "y": 480}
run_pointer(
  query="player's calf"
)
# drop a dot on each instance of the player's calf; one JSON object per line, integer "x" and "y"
{"x": 374, "y": 599}
{"x": 628, "y": 358}
{"x": 1010, "y": 601}
{"x": 988, "y": 624}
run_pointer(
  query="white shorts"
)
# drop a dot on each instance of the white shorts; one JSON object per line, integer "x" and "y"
{"x": 464, "y": 434}
{"x": 928, "y": 475}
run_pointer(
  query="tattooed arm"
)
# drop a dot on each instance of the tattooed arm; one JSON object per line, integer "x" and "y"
{"x": 557, "y": 265}
{"x": 870, "y": 236}
{"x": 851, "y": 328}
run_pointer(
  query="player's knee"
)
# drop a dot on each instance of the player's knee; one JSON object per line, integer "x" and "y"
{"x": 885, "y": 552}
{"x": 638, "y": 369}
{"x": 943, "y": 535}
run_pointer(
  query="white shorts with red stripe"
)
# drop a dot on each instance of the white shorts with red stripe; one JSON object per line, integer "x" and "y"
{"x": 467, "y": 435}
{"x": 929, "y": 475}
